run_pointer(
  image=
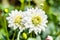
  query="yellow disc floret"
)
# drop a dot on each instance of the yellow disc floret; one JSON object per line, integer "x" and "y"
{"x": 17, "y": 19}
{"x": 36, "y": 20}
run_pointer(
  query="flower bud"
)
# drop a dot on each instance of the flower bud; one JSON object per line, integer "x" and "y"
{"x": 49, "y": 38}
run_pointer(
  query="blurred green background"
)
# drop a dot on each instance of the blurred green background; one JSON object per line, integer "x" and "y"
{"x": 51, "y": 7}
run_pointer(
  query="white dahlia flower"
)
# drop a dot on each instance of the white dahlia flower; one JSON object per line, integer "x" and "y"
{"x": 16, "y": 19}
{"x": 36, "y": 20}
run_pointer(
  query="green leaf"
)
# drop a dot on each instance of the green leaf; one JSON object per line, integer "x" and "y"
{"x": 58, "y": 38}
{"x": 51, "y": 27}
{"x": 38, "y": 38}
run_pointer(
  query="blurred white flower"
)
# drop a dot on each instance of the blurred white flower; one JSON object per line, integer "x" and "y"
{"x": 15, "y": 20}
{"x": 49, "y": 38}
{"x": 36, "y": 20}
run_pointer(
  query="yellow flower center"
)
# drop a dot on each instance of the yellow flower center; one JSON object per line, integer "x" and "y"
{"x": 18, "y": 20}
{"x": 36, "y": 20}
{"x": 24, "y": 35}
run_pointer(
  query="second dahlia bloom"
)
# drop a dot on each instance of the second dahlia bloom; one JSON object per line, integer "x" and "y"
{"x": 36, "y": 20}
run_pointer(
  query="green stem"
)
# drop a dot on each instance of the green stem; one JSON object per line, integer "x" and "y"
{"x": 13, "y": 35}
{"x": 31, "y": 35}
{"x": 18, "y": 35}
{"x": 5, "y": 27}
{"x": 22, "y": 6}
{"x": 29, "y": 3}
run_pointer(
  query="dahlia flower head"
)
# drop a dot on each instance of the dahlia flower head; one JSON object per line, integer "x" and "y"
{"x": 33, "y": 18}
